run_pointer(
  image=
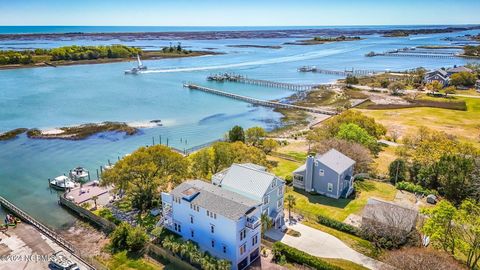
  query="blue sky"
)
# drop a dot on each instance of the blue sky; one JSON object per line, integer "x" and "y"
{"x": 238, "y": 13}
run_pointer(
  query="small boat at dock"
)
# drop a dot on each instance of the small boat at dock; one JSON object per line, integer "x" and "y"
{"x": 79, "y": 174}
{"x": 62, "y": 182}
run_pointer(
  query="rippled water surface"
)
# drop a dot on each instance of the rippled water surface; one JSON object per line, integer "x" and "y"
{"x": 70, "y": 95}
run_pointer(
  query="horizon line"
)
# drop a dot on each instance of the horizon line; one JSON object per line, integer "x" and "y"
{"x": 325, "y": 25}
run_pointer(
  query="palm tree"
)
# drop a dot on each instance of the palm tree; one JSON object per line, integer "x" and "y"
{"x": 291, "y": 201}
{"x": 95, "y": 198}
{"x": 266, "y": 223}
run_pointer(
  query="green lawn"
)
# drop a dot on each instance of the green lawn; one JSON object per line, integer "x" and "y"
{"x": 344, "y": 264}
{"x": 313, "y": 205}
{"x": 284, "y": 167}
{"x": 464, "y": 124}
{"x": 121, "y": 261}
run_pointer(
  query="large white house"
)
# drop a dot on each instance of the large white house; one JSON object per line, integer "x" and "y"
{"x": 254, "y": 182}
{"x": 222, "y": 222}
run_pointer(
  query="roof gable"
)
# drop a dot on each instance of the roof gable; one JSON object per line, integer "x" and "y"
{"x": 336, "y": 161}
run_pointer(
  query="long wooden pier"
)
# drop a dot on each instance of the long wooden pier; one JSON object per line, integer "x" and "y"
{"x": 251, "y": 100}
{"x": 43, "y": 229}
{"x": 266, "y": 83}
{"x": 353, "y": 72}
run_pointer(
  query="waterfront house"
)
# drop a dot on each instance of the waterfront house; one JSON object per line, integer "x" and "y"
{"x": 456, "y": 69}
{"x": 223, "y": 223}
{"x": 330, "y": 174}
{"x": 438, "y": 75}
{"x": 254, "y": 182}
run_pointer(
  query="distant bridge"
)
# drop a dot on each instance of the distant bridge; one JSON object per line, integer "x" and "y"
{"x": 353, "y": 72}
{"x": 251, "y": 100}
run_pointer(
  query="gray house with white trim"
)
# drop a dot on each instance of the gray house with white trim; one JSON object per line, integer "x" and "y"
{"x": 330, "y": 174}
{"x": 254, "y": 182}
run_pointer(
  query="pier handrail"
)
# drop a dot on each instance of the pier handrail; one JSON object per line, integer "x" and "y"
{"x": 266, "y": 103}
{"x": 43, "y": 229}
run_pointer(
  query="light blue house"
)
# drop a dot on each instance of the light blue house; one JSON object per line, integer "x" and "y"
{"x": 254, "y": 182}
{"x": 330, "y": 174}
{"x": 222, "y": 222}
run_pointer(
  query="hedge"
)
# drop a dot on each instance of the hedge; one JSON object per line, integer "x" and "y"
{"x": 300, "y": 257}
{"x": 411, "y": 187}
{"x": 335, "y": 224}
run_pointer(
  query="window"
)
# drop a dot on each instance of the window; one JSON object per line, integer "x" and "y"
{"x": 322, "y": 172}
{"x": 243, "y": 234}
{"x": 266, "y": 211}
{"x": 214, "y": 215}
{"x": 224, "y": 249}
{"x": 330, "y": 187}
{"x": 213, "y": 243}
{"x": 266, "y": 199}
{"x": 316, "y": 163}
{"x": 191, "y": 219}
{"x": 243, "y": 248}
{"x": 208, "y": 213}
{"x": 279, "y": 203}
{"x": 274, "y": 183}
{"x": 212, "y": 228}
{"x": 176, "y": 227}
{"x": 280, "y": 191}
{"x": 179, "y": 228}
{"x": 255, "y": 240}
{"x": 192, "y": 233}
{"x": 298, "y": 178}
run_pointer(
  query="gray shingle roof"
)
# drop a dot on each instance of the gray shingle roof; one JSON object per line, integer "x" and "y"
{"x": 336, "y": 161}
{"x": 390, "y": 214}
{"x": 220, "y": 201}
{"x": 459, "y": 69}
{"x": 439, "y": 71}
{"x": 250, "y": 181}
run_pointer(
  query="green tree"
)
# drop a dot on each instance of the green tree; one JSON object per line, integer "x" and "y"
{"x": 468, "y": 221}
{"x": 351, "y": 80}
{"x": 434, "y": 86}
{"x": 450, "y": 90}
{"x": 269, "y": 145}
{"x": 254, "y": 135}
{"x": 236, "y": 134}
{"x": 331, "y": 126}
{"x": 266, "y": 222}
{"x": 354, "y": 133}
{"x": 396, "y": 87}
{"x": 439, "y": 225}
{"x": 455, "y": 177}
{"x": 136, "y": 239}
{"x": 463, "y": 78}
{"x": 397, "y": 171}
{"x": 146, "y": 172}
{"x": 291, "y": 202}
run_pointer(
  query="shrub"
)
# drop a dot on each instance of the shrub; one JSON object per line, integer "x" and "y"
{"x": 126, "y": 237}
{"x": 107, "y": 214}
{"x": 411, "y": 187}
{"x": 337, "y": 225}
{"x": 300, "y": 257}
{"x": 288, "y": 180}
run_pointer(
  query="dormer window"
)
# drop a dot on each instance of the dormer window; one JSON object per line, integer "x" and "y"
{"x": 321, "y": 172}
{"x": 316, "y": 163}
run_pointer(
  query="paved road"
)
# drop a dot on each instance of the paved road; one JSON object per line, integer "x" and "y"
{"x": 321, "y": 244}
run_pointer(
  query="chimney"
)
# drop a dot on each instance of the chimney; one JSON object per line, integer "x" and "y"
{"x": 309, "y": 171}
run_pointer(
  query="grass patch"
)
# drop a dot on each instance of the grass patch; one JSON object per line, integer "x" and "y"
{"x": 384, "y": 159}
{"x": 450, "y": 105}
{"x": 344, "y": 264}
{"x": 463, "y": 124}
{"x": 121, "y": 261}
{"x": 284, "y": 167}
{"x": 338, "y": 209}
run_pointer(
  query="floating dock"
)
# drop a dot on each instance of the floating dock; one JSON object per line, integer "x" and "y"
{"x": 230, "y": 77}
{"x": 266, "y": 103}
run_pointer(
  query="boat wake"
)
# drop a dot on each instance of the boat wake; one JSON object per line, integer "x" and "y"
{"x": 292, "y": 58}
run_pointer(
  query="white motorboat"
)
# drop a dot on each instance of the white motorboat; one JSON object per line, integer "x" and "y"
{"x": 62, "y": 182}
{"x": 60, "y": 261}
{"x": 79, "y": 174}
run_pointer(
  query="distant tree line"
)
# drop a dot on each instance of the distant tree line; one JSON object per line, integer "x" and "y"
{"x": 73, "y": 53}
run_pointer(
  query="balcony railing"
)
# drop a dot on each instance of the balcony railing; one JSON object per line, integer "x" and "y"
{"x": 253, "y": 223}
